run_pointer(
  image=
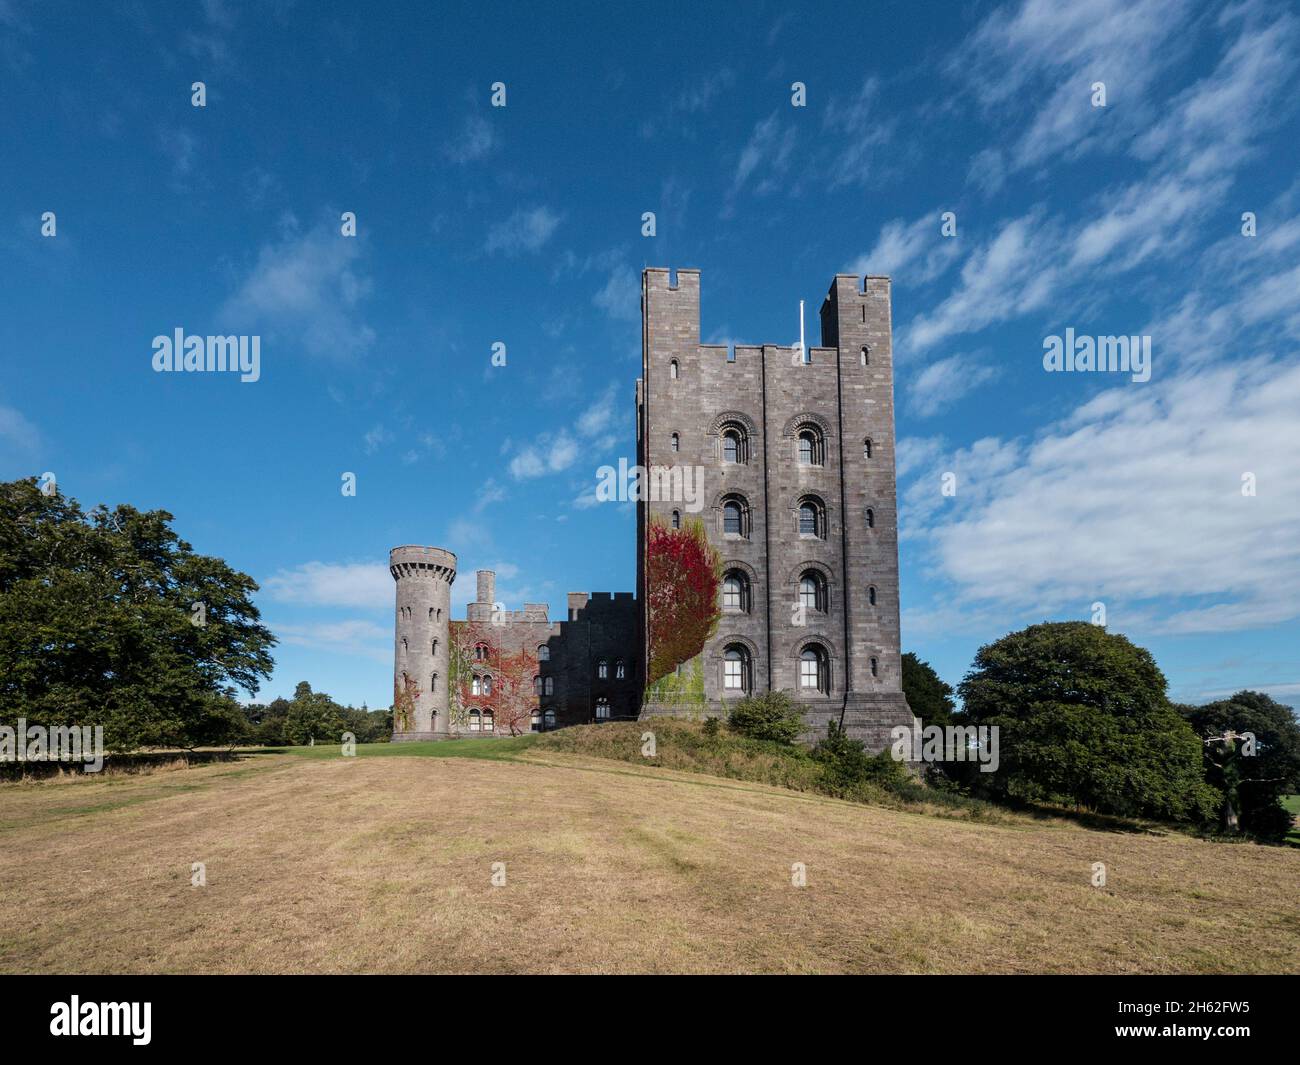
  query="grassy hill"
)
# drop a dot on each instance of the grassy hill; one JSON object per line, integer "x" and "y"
{"x": 384, "y": 863}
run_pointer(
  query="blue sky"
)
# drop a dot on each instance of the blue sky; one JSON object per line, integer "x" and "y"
{"x": 522, "y": 225}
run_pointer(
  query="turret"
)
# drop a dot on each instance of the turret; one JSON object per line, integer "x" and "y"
{"x": 421, "y": 652}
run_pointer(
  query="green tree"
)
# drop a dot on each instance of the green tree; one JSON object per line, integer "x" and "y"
{"x": 928, "y": 696}
{"x": 1084, "y": 719}
{"x": 312, "y": 716}
{"x": 770, "y": 716}
{"x": 1251, "y": 786}
{"x": 109, "y": 618}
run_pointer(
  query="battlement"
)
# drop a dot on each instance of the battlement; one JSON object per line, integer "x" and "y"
{"x": 412, "y": 560}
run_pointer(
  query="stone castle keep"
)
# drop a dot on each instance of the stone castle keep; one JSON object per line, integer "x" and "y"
{"x": 796, "y": 452}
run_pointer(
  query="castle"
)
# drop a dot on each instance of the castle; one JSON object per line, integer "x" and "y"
{"x": 794, "y": 451}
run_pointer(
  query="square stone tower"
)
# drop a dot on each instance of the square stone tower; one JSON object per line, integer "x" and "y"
{"x": 794, "y": 451}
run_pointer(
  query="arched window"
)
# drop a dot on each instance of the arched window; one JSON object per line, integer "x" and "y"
{"x": 535, "y": 721}
{"x": 866, "y": 351}
{"x": 814, "y": 672}
{"x": 735, "y": 445}
{"x": 812, "y": 447}
{"x": 489, "y": 721}
{"x": 404, "y": 647}
{"x": 548, "y": 718}
{"x": 673, "y": 370}
{"x": 812, "y": 591}
{"x": 620, "y": 670}
{"x": 736, "y": 670}
{"x": 735, "y": 591}
{"x": 602, "y": 669}
{"x": 481, "y": 652}
{"x": 474, "y": 721}
{"x": 543, "y": 653}
{"x": 602, "y": 709}
{"x": 871, "y": 518}
{"x": 871, "y": 595}
{"x": 677, "y": 519}
{"x": 866, "y": 448}
{"x": 439, "y": 618}
{"x": 430, "y": 613}
{"x": 487, "y": 685}
{"x": 537, "y": 685}
{"x": 735, "y": 517}
{"x": 548, "y": 686}
{"x": 812, "y": 517}
{"x": 675, "y": 442}
{"x": 433, "y": 683}
{"x": 433, "y": 647}
{"x": 476, "y": 685}
{"x": 875, "y": 668}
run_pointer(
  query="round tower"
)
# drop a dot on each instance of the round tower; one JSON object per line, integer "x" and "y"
{"x": 421, "y": 652}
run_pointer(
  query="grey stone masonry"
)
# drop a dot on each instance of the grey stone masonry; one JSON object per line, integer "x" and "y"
{"x": 424, "y": 576}
{"x": 817, "y": 550}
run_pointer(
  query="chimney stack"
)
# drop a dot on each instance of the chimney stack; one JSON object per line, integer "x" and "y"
{"x": 487, "y": 587}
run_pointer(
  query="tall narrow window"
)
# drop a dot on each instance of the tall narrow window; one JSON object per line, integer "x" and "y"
{"x": 487, "y": 685}
{"x": 736, "y": 669}
{"x": 535, "y": 722}
{"x": 430, "y": 613}
{"x": 433, "y": 683}
{"x": 735, "y": 445}
{"x": 537, "y": 685}
{"x": 871, "y": 518}
{"x": 812, "y": 448}
{"x": 866, "y": 351}
{"x": 675, "y": 442}
{"x": 602, "y": 709}
{"x": 548, "y": 686}
{"x": 735, "y": 517}
{"x": 871, "y": 596}
{"x": 620, "y": 670}
{"x": 677, "y": 519}
{"x": 673, "y": 370}
{"x": 476, "y": 685}
{"x": 866, "y": 448}
{"x": 814, "y": 674}
{"x": 474, "y": 721}
{"x": 812, "y": 517}
{"x": 812, "y": 591}
{"x": 543, "y": 653}
{"x": 735, "y": 591}
{"x": 548, "y": 718}
{"x": 602, "y": 669}
{"x": 489, "y": 721}
{"x": 875, "y": 668}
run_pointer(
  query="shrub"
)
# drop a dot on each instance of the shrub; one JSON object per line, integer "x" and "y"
{"x": 712, "y": 727}
{"x": 846, "y": 766}
{"x": 771, "y": 716}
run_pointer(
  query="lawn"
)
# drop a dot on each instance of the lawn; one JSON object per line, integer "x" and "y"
{"x": 385, "y": 863}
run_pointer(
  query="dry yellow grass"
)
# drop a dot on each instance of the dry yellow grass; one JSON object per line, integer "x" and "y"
{"x": 385, "y": 864}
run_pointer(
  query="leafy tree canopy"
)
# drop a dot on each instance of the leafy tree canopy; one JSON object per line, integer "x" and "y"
{"x": 928, "y": 696}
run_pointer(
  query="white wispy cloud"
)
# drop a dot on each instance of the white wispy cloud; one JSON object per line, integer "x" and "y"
{"x": 524, "y": 231}
{"x": 333, "y": 584}
{"x": 943, "y": 383}
{"x": 307, "y": 287}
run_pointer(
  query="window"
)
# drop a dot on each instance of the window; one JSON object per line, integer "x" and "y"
{"x": 735, "y": 445}
{"x": 812, "y": 517}
{"x": 548, "y": 718}
{"x": 481, "y": 651}
{"x": 489, "y": 721}
{"x": 735, "y": 591}
{"x": 866, "y": 351}
{"x": 474, "y": 720}
{"x": 543, "y": 653}
{"x": 487, "y": 685}
{"x": 812, "y": 591}
{"x": 548, "y": 686}
{"x": 866, "y": 448}
{"x": 537, "y": 685}
{"x": 433, "y": 647}
{"x": 812, "y": 448}
{"x": 602, "y": 669}
{"x": 735, "y": 517}
{"x": 430, "y": 613}
{"x": 675, "y": 442}
{"x": 871, "y": 518}
{"x": 673, "y": 370}
{"x": 404, "y": 647}
{"x": 620, "y": 670}
{"x": 602, "y": 709}
{"x": 433, "y": 683}
{"x": 476, "y": 685}
{"x": 814, "y": 674}
{"x": 871, "y": 595}
{"x": 535, "y": 722}
{"x": 735, "y": 669}
{"x": 875, "y": 668}
{"x": 677, "y": 519}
